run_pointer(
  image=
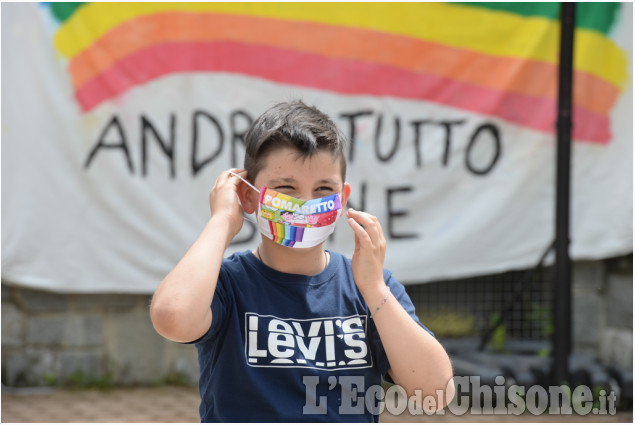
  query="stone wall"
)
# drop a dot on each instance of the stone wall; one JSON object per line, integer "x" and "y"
{"x": 99, "y": 339}
{"x": 603, "y": 309}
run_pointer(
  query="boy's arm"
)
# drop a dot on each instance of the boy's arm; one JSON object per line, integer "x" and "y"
{"x": 181, "y": 305}
{"x": 417, "y": 360}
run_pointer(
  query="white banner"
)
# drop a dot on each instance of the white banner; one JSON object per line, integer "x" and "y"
{"x": 107, "y": 162}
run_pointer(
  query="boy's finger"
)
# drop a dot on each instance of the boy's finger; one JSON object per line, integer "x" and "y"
{"x": 235, "y": 173}
{"x": 361, "y": 236}
{"x": 368, "y": 222}
{"x": 231, "y": 176}
{"x": 241, "y": 172}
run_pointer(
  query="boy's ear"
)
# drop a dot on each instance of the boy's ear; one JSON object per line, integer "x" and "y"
{"x": 248, "y": 197}
{"x": 346, "y": 192}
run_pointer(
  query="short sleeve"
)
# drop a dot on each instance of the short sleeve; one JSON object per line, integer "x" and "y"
{"x": 220, "y": 306}
{"x": 399, "y": 292}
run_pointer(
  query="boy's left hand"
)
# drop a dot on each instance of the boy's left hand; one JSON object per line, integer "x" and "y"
{"x": 370, "y": 250}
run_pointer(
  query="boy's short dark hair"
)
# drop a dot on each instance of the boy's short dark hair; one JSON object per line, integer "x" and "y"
{"x": 292, "y": 125}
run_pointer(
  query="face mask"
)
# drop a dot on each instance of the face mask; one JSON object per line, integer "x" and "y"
{"x": 293, "y": 222}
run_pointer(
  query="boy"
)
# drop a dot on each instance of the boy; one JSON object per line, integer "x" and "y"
{"x": 294, "y": 332}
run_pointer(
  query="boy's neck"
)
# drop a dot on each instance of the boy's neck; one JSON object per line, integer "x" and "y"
{"x": 305, "y": 261}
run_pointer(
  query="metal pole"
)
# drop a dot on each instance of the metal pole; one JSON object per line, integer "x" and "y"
{"x": 561, "y": 339}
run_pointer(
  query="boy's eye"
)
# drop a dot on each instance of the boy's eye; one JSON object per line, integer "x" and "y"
{"x": 324, "y": 189}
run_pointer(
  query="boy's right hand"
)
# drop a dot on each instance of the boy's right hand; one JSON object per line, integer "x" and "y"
{"x": 223, "y": 200}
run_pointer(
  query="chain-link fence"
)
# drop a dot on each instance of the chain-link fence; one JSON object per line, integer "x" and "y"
{"x": 469, "y": 307}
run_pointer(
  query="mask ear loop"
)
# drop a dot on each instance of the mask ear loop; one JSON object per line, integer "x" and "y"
{"x": 245, "y": 216}
{"x": 252, "y": 186}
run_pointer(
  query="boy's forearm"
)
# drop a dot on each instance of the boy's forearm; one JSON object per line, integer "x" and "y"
{"x": 180, "y": 308}
{"x": 418, "y": 361}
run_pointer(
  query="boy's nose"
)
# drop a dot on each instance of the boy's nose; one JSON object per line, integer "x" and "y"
{"x": 305, "y": 196}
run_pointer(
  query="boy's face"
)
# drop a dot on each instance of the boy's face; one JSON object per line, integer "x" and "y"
{"x": 303, "y": 178}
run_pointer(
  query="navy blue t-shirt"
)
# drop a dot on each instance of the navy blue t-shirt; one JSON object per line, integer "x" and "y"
{"x": 291, "y": 348}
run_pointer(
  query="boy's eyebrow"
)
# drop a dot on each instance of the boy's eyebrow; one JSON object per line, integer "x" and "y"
{"x": 282, "y": 180}
{"x": 292, "y": 180}
{"x": 327, "y": 181}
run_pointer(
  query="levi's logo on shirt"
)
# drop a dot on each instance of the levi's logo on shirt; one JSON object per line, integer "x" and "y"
{"x": 329, "y": 343}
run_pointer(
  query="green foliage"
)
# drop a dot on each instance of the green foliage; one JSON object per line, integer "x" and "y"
{"x": 540, "y": 317}
{"x": 450, "y": 324}
{"x": 50, "y": 379}
{"x": 174, "y": 378}
{"x": 81, "y": 380}
{"x": 497, "y": 343}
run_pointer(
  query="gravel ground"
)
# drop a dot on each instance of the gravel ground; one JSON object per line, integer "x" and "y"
{"x": 180, "y": 404}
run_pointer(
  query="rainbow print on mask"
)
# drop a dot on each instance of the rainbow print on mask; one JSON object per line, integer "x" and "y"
{"x": 494, "y": 59}
{"x": 286, "y": 235}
